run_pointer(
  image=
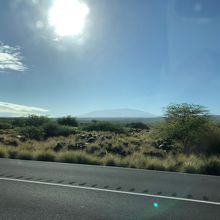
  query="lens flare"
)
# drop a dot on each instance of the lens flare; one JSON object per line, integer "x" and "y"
{"x": 155, "y": 205}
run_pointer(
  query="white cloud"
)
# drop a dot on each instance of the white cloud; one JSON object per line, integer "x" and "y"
{"x": 11, "y": 109}
{"x": 11, "y": 58}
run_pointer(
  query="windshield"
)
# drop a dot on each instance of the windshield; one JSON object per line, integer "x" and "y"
{"x": 73, "y": 57}
{"x": 109, "y": 109}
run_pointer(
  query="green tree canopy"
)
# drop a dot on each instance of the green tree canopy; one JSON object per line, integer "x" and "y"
{"x": 183, "y": 123}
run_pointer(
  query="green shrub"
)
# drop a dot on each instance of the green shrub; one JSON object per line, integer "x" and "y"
{"x": 31, "y": 120}
{"x": 183, "y": 123}
{"x": 104, "y": 126}
{"x": 53, "y": 129}
{"x": 35, "y": 120}
{"x": 5, "y": 125}
{"x": 138, "y": 125}
{"x": 32, "y": 132}
{"x": 68, "y": 121}
{"x": 65, "y": 130}
{"x": 209, "y": 140}
{"x": 18, "y": 122}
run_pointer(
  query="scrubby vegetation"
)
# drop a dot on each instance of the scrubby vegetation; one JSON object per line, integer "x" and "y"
{"x": 138, "y": 125}
{"x": 188, "y": 140}
{"x": 68, "y": 121}
{"x": 104, "y": 126}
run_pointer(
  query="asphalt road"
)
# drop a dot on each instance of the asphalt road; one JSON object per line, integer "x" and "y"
{"x": 44, "y": 190}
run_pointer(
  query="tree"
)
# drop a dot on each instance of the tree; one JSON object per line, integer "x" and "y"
{"x": 184, "y": 122}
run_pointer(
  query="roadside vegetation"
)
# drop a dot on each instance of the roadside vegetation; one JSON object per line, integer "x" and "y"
{"x": 187, "y": 140}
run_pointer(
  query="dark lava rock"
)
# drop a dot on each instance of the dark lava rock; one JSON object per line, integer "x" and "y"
{"x": 59, "y": 146}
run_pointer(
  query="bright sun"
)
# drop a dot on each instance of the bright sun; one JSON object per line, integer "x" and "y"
{"x": 68, "y": 17}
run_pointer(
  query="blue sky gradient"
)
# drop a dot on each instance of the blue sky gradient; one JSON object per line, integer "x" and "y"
{"x": 141, "y": 54}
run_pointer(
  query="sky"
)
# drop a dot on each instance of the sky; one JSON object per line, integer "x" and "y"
{"x": 138, "y": 54}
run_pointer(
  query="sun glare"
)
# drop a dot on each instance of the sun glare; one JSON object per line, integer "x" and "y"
{"x": 68, "y": 17}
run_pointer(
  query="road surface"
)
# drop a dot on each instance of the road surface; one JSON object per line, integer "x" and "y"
{"x": 47, "y": 190}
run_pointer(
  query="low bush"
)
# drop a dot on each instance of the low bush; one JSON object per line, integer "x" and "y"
{"x": 209, "y": 140}
{"x": 65, "y": 130}
{"x": 104, "y": 126}
{"x": 31, "y": 120}
{"x": 35, "y": 120}
{"x": 53, "y": 129}
{"x": 68, "y": 121}
{"x": 18, "y": 122}
{"x": 138, "y": 125}
{"x": 32, "y": 132}
{"x": 5, "y": 125}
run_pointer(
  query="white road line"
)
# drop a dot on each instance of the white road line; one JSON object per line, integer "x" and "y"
{"x": 113, "y": 191}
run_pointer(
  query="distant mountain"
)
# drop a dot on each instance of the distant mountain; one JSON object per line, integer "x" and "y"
{"x": 118, "y": 113}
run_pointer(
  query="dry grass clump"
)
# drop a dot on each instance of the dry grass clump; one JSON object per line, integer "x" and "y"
{"x": 3, "y": 153}
{"x": 12, "y": 153}
{"x": 25, "y": 155}
{"x": 211, "y": 166}
{"x": 110, "y": 160}
{"x": 44, "y": 155}
{"x": 77, "y": 157}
